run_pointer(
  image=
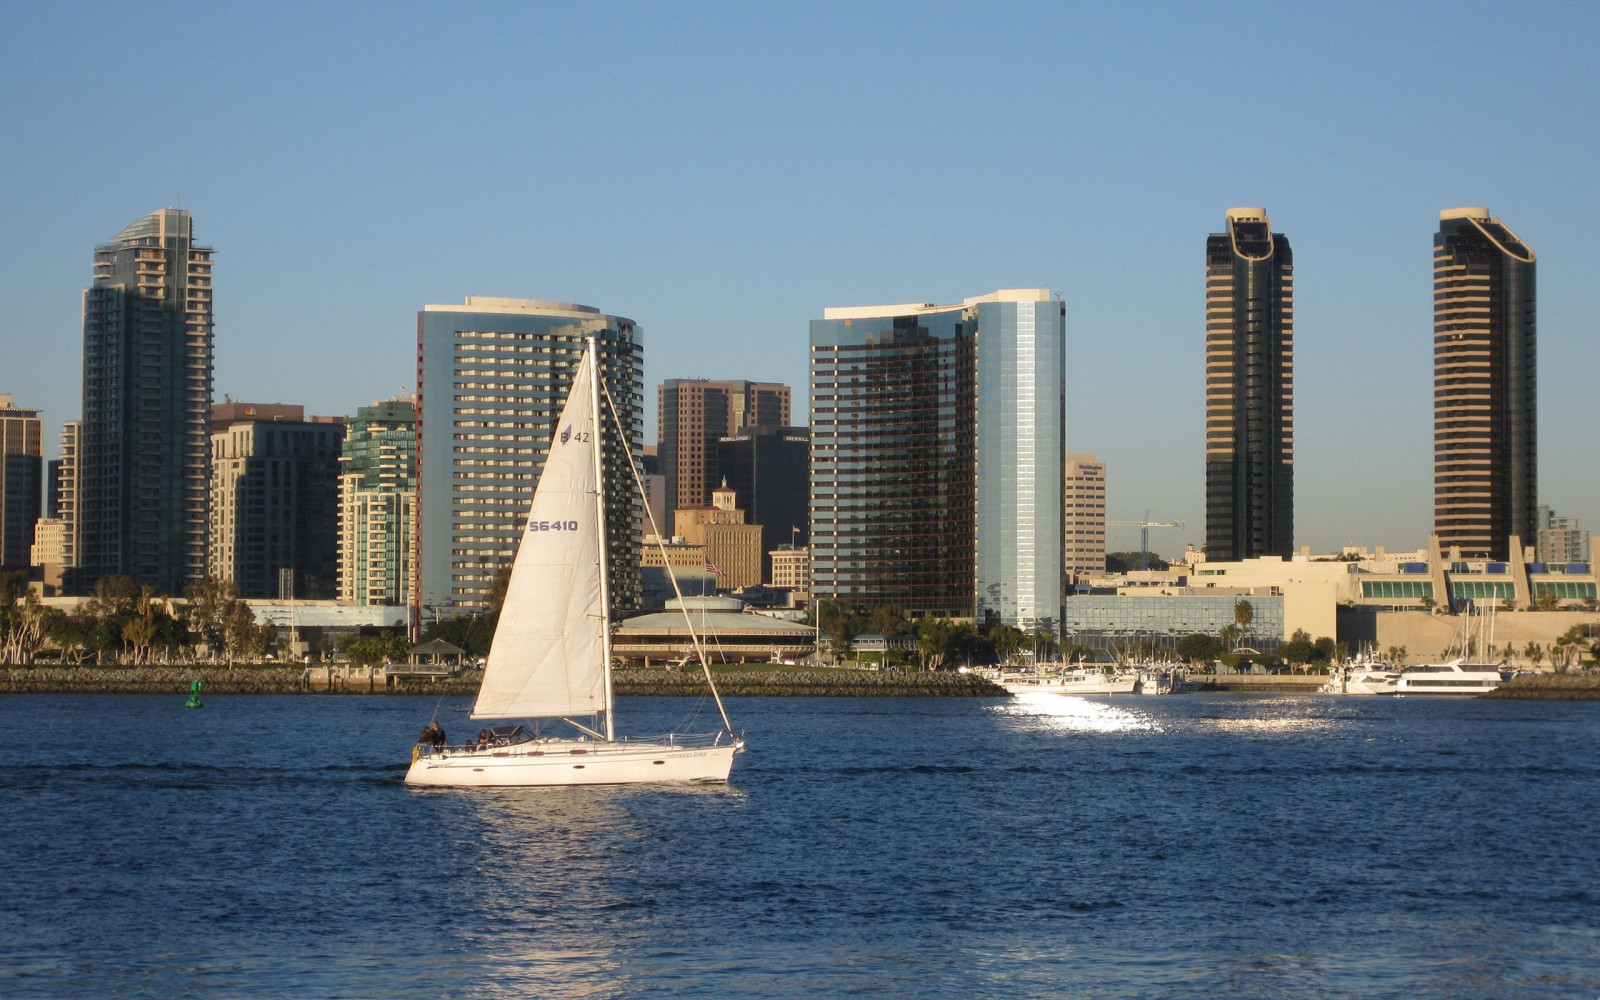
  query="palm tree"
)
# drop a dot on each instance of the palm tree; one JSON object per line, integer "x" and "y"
{"x": 1244, "y": 613}
{"x": 1229, "y": 635}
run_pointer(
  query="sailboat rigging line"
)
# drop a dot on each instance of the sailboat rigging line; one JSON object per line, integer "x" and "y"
{"x": 656, "y": 530}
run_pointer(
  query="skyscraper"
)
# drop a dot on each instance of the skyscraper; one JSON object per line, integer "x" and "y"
{"x": 936, "y": 456}
{"x": 1485, "y": 403}
{"x": 1085, "y": 516}
{"x": 1249, "y": 390}
{"x": 275, "y": 500}
{"x": 769, "y": 468}
{"x": 145, "y": 445}
{"x": 694, "y": 414}
{"x": 492, "y": 377}
{"x": 21, "y": 482}
{"x": 377, "y": 503}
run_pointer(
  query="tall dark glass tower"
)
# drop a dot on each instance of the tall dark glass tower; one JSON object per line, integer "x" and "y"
{"x": 1249, "y": 390}
{"x": 145, "y": 441}
{"x": 1485, "y": 404}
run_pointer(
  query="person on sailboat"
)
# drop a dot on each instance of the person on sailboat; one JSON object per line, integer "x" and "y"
{"x": 437, "y": 733}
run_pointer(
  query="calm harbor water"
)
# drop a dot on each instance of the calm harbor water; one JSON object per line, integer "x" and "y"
{"x": 1272, "y": 846}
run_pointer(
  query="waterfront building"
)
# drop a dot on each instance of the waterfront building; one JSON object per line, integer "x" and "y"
{"x": 769, "y": 468}
{"x": 721, "y": 624}
{"x": 492, "y": 377}
{"x": 936, "y": 456}
{"x": 1110, "y": 622}
{"x": 732, "y": 547}
{"x": 275, "y": 500}
{"x": 1249, "y": 389}
{"x": 791, "y": 569}
{"x": 21, "y": 482}
{"x": 144, "y": 443}
{"x": 694, "y": 414}
{"x": 377, "y": 504}
{"x": 1560, "y": 539}
{"x": 1485, "y": 401}
{"x": 1085, "y": 509}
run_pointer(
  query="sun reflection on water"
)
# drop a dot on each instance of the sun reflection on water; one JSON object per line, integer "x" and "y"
{"x": 1069, "y": 713}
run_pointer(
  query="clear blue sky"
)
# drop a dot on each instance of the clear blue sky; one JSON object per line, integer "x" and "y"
{"x": 721, "y": 173}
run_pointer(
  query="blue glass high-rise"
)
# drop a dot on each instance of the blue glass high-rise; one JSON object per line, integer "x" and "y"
{"x": 937, "y": 449}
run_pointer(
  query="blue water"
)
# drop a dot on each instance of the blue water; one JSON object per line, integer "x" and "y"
{"x": 1143, "y": 847}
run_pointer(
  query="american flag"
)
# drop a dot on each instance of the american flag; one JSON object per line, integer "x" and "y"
{"x": 711, "y": 567}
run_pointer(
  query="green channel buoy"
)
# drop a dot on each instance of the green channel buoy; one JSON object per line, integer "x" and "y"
{"x": 194, "y": 696}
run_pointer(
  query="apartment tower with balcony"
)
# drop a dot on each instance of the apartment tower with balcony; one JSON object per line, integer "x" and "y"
{"x": 144, "y": 455}
{"x": 1485, "y": 400}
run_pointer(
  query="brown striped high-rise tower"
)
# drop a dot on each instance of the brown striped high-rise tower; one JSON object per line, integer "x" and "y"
{"x": 1249, "y": 390}
{"x": 1485, "y": 405}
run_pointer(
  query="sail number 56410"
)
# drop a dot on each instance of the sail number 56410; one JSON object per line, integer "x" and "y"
{"x": 552, "y": 525}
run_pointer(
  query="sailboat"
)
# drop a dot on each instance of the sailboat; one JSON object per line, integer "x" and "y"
{"x": 551, "y": 656}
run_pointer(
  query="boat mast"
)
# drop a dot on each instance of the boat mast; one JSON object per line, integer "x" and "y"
{"x": 600, "y": 529}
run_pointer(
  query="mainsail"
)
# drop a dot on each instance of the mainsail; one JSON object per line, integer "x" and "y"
{"x": 548, "y": 657}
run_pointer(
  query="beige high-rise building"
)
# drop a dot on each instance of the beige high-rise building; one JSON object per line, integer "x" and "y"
{"x": 65, "y": 498}
{"x": 274, "y": 500}
{"x": 791, "y": 569}
{"x": 1085, "y": 509}
{"x": 733, "y": 548}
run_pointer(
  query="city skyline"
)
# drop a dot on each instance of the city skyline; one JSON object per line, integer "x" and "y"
{"x": 745, "y": 225}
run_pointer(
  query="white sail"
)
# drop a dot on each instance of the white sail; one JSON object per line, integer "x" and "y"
{"x": 548, "y": 657}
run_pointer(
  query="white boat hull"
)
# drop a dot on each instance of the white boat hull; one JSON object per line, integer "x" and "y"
{"x": 574, "y": 762}
{"x": 1118, "y": 684}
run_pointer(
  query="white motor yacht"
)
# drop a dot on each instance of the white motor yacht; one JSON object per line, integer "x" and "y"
{"x": 1454, "y": 678}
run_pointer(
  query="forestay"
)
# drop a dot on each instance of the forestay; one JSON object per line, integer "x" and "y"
{"x": 548, "y": 656}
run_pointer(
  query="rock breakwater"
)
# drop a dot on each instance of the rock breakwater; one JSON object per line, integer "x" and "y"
{"x": 277, "y": 679}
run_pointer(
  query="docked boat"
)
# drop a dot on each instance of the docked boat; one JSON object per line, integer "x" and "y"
{"x": 1452, "y": 678}
{"x": 1079, "y": 681}
{"x": 550, "y": 664}
{"x": 1366, "y": 675}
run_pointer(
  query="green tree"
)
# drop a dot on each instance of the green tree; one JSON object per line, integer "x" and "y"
{"x": 368, "y": 650}
{"x": 1546, "y": 600}
{"x": 1127, "y": 562}
{"x": 933, "y": 641}
{"x": 1534, "y": 654}
{"x": 496, "y": 595}
{"x": 1243, "y": 614}
{"x": 474, "y": 634}
{"x": 834, "y": 621}
{"x": 1197, "y": 647}
{"x": 1299, "y": 650}
{"x": 1229, "y": 634}
{"x": 1006, "y": 641}
{"x": 210, "y": 604}
{"x": 889, "y": 620}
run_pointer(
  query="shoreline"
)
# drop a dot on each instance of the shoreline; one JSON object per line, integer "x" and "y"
{"x": 290, "y": 680}
{"x": 828, "y": 682}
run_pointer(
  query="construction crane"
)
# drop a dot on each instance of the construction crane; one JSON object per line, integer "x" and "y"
{"x": 1144, "y": 534}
